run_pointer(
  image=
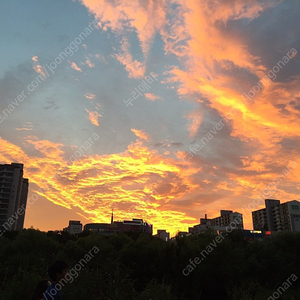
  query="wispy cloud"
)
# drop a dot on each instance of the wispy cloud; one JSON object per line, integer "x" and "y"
{"x": 90, "y": 96}
{"x": 152, "y": 97}
{"x": 93, "y": 116}
{"x": 141, "y": 134}
{"x": 36, "y": 67}
{"x": 89, "y": 63}
{"x": 74, "y": 66}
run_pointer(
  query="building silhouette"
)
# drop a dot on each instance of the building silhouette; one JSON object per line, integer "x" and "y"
{"x": 134, "y": 225}
{"x": 75, "y": 227}
{"x": 13, "y": 196}
{"x": 277, "y": 217}
{"x": 163, "y": 234}
{"x": 228, "y": 218}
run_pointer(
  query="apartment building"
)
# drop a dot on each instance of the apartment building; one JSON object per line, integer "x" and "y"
{"x": 277, "y": 216}
{"x": 227, "y": 218}
{"x": 13, "y": 196}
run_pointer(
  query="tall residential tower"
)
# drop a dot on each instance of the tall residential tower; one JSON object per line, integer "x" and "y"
{"x": 13, "y": 197}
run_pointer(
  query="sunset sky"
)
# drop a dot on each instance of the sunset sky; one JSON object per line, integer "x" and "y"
{"x": 216, "y": 123}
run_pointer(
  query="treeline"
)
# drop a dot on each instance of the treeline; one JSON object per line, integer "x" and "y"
{"x": 141, "y": 267}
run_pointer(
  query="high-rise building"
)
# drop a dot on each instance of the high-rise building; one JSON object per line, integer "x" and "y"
{"x": 23, "y": 202}
{"x": 13, "y": 197}
{"x": 277, "y": 217}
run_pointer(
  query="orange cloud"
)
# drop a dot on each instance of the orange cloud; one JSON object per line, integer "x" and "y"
{"x": 134, "y": 68}
{"x": 36, "y": 67}
{"x": 152, "y": 97}
{"x": 89, "y": 63}
{"x": 74, "y": 66}
{"x": 196, "y": 118}
{"x": 135, "y": 182}
{"x": 141, "y": 134}
{"x": 145, "y": 18}
{"x": 27, "y": 127}
{"x": 93, "y": 116}
{"x": 197, "y": 33}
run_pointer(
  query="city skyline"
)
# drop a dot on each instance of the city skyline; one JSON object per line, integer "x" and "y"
{"x": 13, "y": 201}
{"x": 160, "y": 110}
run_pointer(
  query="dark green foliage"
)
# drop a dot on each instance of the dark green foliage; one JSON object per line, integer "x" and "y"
{"x": 141, "y": 267}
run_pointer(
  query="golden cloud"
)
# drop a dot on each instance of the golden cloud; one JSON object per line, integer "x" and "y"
{"x": 136, "y": 183}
